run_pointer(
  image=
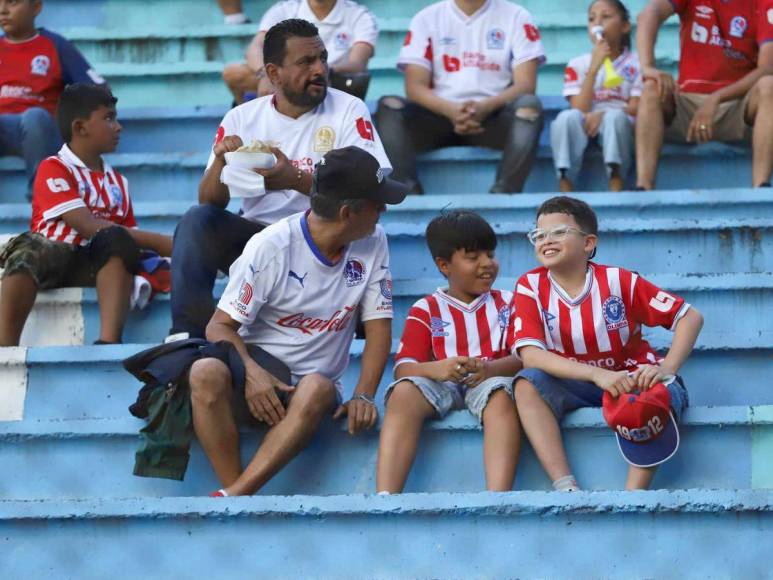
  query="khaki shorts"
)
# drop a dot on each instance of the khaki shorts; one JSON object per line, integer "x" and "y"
{"x": 729, "y": 124}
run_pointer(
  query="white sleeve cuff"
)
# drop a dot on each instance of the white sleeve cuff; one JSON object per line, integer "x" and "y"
{"x": 404, "y": 360}
{"x": 528, "y": 342}
{"x": 422, "y": 62}
{"x": 62, "y": 208}
{"x": 540, "y": 57}
{"x": 365, "y": 316}
{"x": 679, "y": 315}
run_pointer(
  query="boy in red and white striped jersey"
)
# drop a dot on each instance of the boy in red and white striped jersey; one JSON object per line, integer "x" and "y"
{"x": 83, "y": 231}
{"x": 455, "y": 353}
{"x": 578, "y": 332}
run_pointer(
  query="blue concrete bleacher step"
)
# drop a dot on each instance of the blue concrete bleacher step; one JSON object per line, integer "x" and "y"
{"x": 38, "y": 457}
{"x": 695, "y": 533}
{"x": 87, "y": 382}
{"x": 732, "y": 305}
{"x": 455, "y": 170}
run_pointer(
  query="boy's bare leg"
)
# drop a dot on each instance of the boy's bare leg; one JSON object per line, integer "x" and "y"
{"x": 760, "y": 110}
{"x": 312, "y": 399}
{"x": 17, "y": 297}
{"x": 213, "y": 420}
{"x": 230, "y": 6}
{"x": 542, "y": 429}
{"x": 406, "y": 411}
{"x": 501, "y": 441}
{"x": 240, "y": 79}
{"x": 649, "y": 135}
{"x": 639, "y": 477}
{"x": 114, "y": 288}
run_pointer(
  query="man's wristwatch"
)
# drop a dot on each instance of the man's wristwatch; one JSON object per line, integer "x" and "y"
{"x": 366, "y": 398}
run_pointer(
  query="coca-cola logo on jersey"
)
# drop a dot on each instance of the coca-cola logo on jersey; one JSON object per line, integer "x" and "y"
{"x": 308, "y": 325}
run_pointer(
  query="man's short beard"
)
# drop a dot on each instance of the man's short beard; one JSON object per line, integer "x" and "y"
{"x": 304, "y": 99}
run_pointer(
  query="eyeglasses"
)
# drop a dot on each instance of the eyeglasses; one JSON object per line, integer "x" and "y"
{"x": 557, "y": 234}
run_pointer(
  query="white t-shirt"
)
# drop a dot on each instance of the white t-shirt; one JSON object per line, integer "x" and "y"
{"x": 347, "y": 24}
{"x": 627, "y": 66}
{"x": 295, "y": 304}
{"x": 471, "y": 57}
{"x": 339, "y": 121}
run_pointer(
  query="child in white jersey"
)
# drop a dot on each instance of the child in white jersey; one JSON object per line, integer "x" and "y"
{"x": 578, "y": 330}
{"x": 603, "y": 88}
{"x": 454, "y": 353}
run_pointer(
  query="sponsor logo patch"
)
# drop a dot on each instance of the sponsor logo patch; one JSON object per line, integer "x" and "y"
{"x": 365, "y": 128}
{"x": 386, "y": 288}
{"x": 532, "y": 32}
{"x": 437, "y": 326}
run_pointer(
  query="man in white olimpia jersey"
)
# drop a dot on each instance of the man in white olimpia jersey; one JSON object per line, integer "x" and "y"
{"x": 293, "y": 293}
{"x": 305, "y": 119}
{"x": 470, "y": 79}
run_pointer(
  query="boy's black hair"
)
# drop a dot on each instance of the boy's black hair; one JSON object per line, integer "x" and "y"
{"x": 275, "y": 41}
{"x": 78, "y": 101}
{"x": 582, "y": 213}
{"x": 459, "y": 229}
{"x": 624, "y": 14}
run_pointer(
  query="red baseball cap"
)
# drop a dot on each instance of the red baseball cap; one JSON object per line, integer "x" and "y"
{"x": 643, "y": 424}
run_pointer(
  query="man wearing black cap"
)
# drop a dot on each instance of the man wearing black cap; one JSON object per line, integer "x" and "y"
{"x": 294, "y": 293}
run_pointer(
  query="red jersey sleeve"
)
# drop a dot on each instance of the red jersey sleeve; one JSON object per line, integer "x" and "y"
{"x": 654, "y": 307}
{"x": 416, "y": 342}
{"x": 527, "y": 326}
{"x": 129, "y": 220}
{"x": 55, "y": 191}
{"x": 764, "y": 21}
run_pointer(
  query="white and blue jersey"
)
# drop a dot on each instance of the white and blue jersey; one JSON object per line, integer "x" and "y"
{"x": 299, "y": 306}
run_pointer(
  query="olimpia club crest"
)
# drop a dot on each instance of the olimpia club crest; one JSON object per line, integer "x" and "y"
{"x": 614, "y": 313}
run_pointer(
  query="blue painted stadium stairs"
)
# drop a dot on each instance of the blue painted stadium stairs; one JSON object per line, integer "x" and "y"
{"x": 69, "y": 505}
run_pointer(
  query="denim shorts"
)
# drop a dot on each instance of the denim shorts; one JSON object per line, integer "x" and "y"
{"x": 566, "y": 395}
{"x": 447, "y": 396}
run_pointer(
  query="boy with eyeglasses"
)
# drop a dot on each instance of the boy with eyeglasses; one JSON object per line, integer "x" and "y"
{"x": 578, "y": 333}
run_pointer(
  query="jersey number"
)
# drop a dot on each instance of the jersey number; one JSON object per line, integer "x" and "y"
{"x": 663, "y": 302}
{"x": 57, "y": 184}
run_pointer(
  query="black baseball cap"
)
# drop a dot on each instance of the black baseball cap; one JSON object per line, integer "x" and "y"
{"x": 353, "y": 173}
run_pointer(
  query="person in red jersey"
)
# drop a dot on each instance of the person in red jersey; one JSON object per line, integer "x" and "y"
{"x": 725, "y": 88}
{"x": 83, "y": 231}
{"x": 578, "y": 331}
{"x": 455, "y": 354}
{"x": 35, "y": 66}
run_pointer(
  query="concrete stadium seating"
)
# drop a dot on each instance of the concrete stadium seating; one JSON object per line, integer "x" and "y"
{"x": 69, "y": 506}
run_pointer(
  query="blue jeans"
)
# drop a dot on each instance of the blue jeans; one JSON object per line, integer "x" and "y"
{"x": 32, "y": 135}
{"x": 206, "y": 240}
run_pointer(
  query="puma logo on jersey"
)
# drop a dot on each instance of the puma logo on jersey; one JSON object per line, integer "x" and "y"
{"x": 300, "y": 279}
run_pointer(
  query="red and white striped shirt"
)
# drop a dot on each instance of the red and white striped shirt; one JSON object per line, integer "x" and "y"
{"x": 601, "y": 326}
{"x": 439, "y": 326}
{"x": 64, "y": 183}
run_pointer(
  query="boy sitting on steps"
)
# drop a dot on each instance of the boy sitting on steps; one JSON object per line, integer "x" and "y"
{"x": 454, "y": 354}
{"x": 83, "y": 231}
{"x": 578, "y": 332}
